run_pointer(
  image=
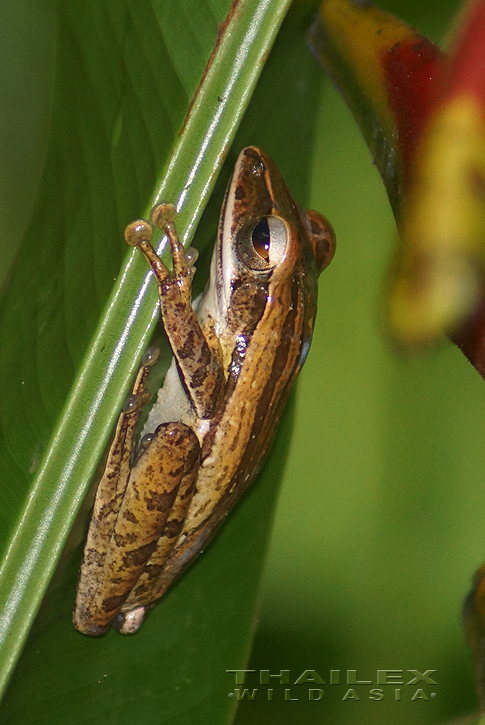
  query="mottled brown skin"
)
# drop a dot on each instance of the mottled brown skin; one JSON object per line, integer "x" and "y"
{"x": 249, "y": 339}
{"x": 111, "y": 490}
{"x": 168, "y": 536}
{"x": 133, "y": 508}
{"x": 170, "y": 463}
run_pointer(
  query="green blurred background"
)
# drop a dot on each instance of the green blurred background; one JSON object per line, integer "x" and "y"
{"x": 380, "y": 523}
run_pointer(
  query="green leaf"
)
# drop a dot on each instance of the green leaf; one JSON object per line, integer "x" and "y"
{"x": 126, "y": 73}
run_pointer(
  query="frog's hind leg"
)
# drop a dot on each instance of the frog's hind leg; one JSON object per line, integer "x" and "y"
{"x": 168, "y": 463}
{"x": 145, "y": 591}
{"x": 109, "y": 494}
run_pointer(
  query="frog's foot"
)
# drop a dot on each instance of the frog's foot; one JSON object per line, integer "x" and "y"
{"x": 139, "y": 234}
{"x": 198, "y": 364}
{"x": 130, "y": 622}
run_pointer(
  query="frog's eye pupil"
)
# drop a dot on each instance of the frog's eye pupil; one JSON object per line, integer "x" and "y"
{"x": 261, "y": 239}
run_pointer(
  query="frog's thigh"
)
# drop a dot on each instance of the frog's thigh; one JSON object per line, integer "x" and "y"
{"x": 171, "y": 457}
{"x": 145, "y": 591}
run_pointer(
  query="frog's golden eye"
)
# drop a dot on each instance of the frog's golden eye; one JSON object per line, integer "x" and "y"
{"x": 262, "y": 243}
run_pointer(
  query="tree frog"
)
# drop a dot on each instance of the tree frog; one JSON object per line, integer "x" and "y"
{"x": 237, "y": 352}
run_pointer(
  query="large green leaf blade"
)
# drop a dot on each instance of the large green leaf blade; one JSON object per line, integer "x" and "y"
{"x": 76, "y": 232}
{"x": 58, "y": 660}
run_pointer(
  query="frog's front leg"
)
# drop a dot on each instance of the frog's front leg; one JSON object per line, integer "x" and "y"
{"x": 199, "y": 368}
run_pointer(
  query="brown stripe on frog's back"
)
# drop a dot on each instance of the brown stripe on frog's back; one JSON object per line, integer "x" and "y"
{"x": 286, "y": 367}
{"x": 270, "y": 360}
{"x": 246, "y": 309}
{"x": 274, "y": 394}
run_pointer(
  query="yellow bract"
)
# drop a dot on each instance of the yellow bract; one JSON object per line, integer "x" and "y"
{"x": 359, "y": 34}
{"x": 440, "y": 273}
